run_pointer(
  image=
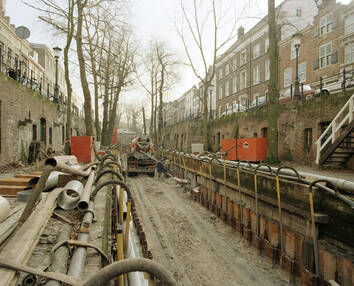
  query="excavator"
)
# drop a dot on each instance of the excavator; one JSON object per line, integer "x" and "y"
{"x": 140, "y": 157}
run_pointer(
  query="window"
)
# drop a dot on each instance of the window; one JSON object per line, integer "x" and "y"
{"x": 234, "y": 64}
{"x": 325, "y": 55}
{"x": 220, "y": 73}
{"x": 234, "y": 84}
{"x": 302, "y": 72}
{"x": 326, "y": 23}
{"x": 266, "y": 45}
{"x": 227, "y": 69}
{"x": 307, "y": 138}
{"x": 349, "y": 53}
{"x": 243, "y": 57}
{"x": 34, "y": 132}
{"x": 220, "y": 113}
{"x": 256, "y": 51}
{"x": 287, "y": 77}
{"x": 298, "y": 12}
{"x": 220, "y": 92}
{"x": 267, "y": 70}
{"x": 227, "y": 111}
{"x": 218, "y": 138}
{"x": 227, "y": 89}
{"x": 243, "y": 79}
{"x": 234, "y": 106}
{"x": 264, "y": 132}
{"x": 349, "y": 25}
{"x": 256, "y": 76}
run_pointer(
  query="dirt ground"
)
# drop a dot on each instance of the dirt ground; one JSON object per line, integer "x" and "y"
{"x": 197, "y": 247}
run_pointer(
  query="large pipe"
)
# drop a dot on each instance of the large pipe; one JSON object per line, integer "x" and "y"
{"x": 4, "y": 208}
{"x": 85, "y": 197}
{"x": 58, "y": 166}
{"x": 78, "y": 259}
{"x": 61, "y": 255}
{"x": 70, "y": 196}
{"x": 129, "y": 265}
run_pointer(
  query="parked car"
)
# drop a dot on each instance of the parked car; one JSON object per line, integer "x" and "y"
{"x": 308, "y": 91}
{"x": 336, "y": 84}
{"x": 258, "y": 102}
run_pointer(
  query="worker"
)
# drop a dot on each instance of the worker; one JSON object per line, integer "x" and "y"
{"x": 159, "y": 169}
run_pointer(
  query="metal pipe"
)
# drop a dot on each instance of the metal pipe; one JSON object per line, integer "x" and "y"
{"x": 129, "y": 265}
{"x": 70, "y": 196}
{"x": 78, "y": 259}
{"x": 120, "y": 254}
{"x": 58, "y": 166}
{"x": 35, "y": 194}
{"x": 61, "y": 255}
{"x": 85, "y": 197}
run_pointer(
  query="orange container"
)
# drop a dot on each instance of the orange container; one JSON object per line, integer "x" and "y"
{"x": 82, "y": 148}
{"x": 250, "y": 149}
{"x": 114, "y": 136}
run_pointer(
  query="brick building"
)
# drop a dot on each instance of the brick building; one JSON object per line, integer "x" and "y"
{"x": 242, "y": 72}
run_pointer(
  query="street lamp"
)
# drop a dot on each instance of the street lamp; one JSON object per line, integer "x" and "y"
{"x": 210, "y": 102}
{"x": 57, "y": 51}
{"x": 297, "y": 40}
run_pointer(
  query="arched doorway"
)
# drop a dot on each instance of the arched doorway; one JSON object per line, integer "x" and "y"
{"x": 43, "y": 131}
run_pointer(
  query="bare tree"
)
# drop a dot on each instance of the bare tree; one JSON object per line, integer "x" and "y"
{"x": 195, "y": 25}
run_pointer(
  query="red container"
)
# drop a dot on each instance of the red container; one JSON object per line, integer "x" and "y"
{"x": 250, "y": 149}
{"x": 114, "y": 136}
{"x": 82, "y": 148}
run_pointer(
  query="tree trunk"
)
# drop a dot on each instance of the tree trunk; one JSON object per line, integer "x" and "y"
{"x": 155, "y": 116}
{"x": 160, "y": 123}
{"x": 67, "y": 76}
{"x": 113, "y": 114}
{"x": 206, "y": 131}
{"x": 83, "y": 78}
{"x": 273, "y": 105}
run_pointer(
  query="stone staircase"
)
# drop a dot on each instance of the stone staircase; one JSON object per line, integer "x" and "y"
{"x": 335, "y": 146}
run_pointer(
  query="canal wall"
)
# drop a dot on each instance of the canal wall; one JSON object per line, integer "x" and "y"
{"x": 247, "y": 199}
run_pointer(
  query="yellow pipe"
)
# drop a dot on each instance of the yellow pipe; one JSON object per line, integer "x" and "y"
{"x": 37, "y": 164}
{"x": 120, "y": 255}
{"x": 210, "y": 171}
{"x": 279, "y": 214}
{"x": 127, "y": 226}
{"x": 121, "y": 199}
{"x": 256, "y": 199}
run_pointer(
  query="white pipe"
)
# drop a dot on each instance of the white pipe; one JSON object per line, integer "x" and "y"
{"x": 181, "y": 181}
{"x": 4, "y": 208}
{"x": 69, "y": 198}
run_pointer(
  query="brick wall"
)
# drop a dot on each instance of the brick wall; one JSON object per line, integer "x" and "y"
{"x": 19, "y": 103}
{"x": 294, "y": 118}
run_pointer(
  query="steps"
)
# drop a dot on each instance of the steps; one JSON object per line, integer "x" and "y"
{"x": 335, "y": 146}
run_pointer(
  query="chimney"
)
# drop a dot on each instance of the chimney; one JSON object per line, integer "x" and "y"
{"x": 240, "y": 32}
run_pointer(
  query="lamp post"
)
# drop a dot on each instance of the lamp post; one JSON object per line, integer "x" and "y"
{"x": 210, "y": 102}
{"x": 57, "y": 51}
{"x": 297, "y": 40}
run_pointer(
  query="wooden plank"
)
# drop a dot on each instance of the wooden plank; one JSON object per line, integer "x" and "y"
{"x": 7, "y": 226}
{"x": 22, "y": 243}
{"x": 10, "y": 190}
{"x": 14, "y": 181}
{"x": 29, "y": 176}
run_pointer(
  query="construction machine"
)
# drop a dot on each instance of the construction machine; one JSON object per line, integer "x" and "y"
{"x": 140, "y": 158}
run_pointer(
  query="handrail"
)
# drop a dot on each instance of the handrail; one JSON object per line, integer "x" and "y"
{"x": 333, "y": 128}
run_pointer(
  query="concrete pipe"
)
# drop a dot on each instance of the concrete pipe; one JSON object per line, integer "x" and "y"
{"x": 69, "y": 198}
{"x": 4, "y": 208}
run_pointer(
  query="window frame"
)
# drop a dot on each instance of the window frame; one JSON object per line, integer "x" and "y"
{"x": 327, "y": 55}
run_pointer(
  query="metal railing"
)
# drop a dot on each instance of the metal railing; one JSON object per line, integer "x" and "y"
{"x": 343, "y": 118}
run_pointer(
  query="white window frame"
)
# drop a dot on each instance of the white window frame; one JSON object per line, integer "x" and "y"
{"x": 326, "y": 23}
{"x": 349, "y": 24}
{"x": 221, "y": 90}
{"x": 234, "y": 64}
{"x": 267, "y": 70}
{"x": 220, "y": 73}
{"x": 288, "y": 73}
{"x": 234, "y": 84}
{"x": 256, "y": 75}
{"x": 326, "y": 56}
{"x": 227, "y": 69}
{"x": 298, "y": 12}
{"x": 266, "y": 45}
{"x": 243, "y": 57}
{"x": 302, "y": 72}
{"x": 227, "y": 88}
{"x": 243, "y": 81}
{"x": 349, "y": 53}
{"x": 256, "y": 51}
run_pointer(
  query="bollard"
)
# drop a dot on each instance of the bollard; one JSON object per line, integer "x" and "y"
{"x": 121, "y": 202}
{"x": 120, "y": 255}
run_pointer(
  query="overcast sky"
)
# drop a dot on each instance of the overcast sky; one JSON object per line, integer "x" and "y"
{"x": 152, "y": 19}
